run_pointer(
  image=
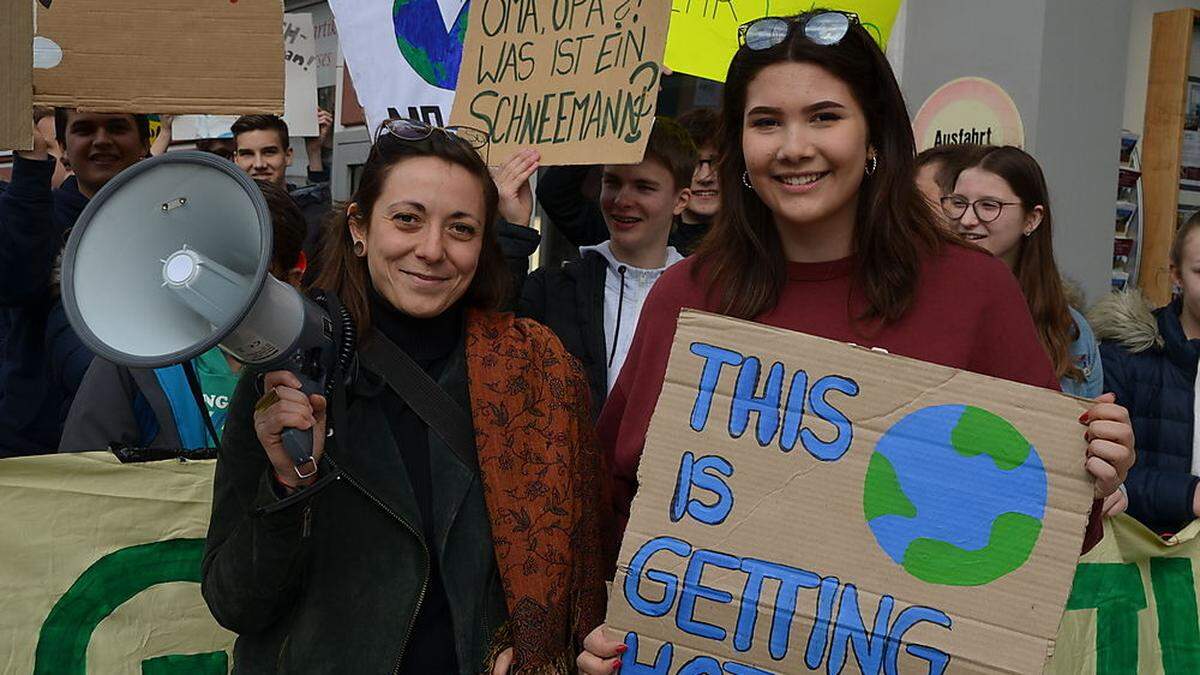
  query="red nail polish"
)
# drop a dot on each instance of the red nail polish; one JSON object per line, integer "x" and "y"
{"x": 616, "y": 665}
{"x": 622, "y": 649}
{"x": 1083, "y": 419}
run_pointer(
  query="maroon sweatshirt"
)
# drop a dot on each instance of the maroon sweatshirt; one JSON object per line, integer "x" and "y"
{"x": 968, "y": 313}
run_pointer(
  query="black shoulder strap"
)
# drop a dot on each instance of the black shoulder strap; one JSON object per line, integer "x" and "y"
{"x": 189, "y": 371}
{"x": 426, "y": 398}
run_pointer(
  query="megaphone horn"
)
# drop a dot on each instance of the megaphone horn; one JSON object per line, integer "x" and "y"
{"x": 171, "y": 258}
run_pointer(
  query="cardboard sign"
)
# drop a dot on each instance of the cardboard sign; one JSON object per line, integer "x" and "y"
{"x": 16, "y": 60}
{"x": 403, "y": 55}
{"x": 578, "y": 79}
{"x": 300, "y": 75}
{"x": 703, "y": 37}
{"x": 968, "y": 110}
{"x": 169, "y": 56}
{"x": 805, "y": 503}
{"x": 100, "y": 567}
{"x": 1133, "y": 604}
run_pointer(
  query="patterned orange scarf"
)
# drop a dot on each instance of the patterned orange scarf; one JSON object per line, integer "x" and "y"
{"x": 544, "y": 485}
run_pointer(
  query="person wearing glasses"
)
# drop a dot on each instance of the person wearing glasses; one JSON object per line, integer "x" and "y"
{"x": 452, "y": 523}
{"x": 1000, "y": 202}
{"x": 827, "y": 234}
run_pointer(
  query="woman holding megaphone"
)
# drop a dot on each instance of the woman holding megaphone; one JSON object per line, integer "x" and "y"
{"x": 453, "y": 523}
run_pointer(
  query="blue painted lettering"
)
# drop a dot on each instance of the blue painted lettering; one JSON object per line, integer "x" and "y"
{"x": 745, "y": 401}
{"x": 791, "y": 580}
{"x": 818, "y": 403}
{"x": 819, "y": 636}
{"x": 670, "y": 582}
{"x": 662, "y": 660}
{"x": 868, "y": 648}
{"x": 705, "y": 474}
{"x": 715, "y": 358}
{"x": 693, "y": 589}
{"x": 911, "y": 616}
{"x": 794, "y": 414}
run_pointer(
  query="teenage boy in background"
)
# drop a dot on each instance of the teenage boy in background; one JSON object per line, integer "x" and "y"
{"x": 43, "y": 360}
{"x": 265, "y": 152}
{"x": 701, "y": 124}
{"x": 560, "y": 191}
{"x": 593, "y": 303}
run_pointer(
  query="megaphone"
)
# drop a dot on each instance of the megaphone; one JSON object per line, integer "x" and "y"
{"x": 171, "y": 258}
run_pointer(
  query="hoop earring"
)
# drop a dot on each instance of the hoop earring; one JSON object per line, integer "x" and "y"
{"x": 873, "y": 165}
{"x": 360, "y": 248}
{"x": 746, "y": 180}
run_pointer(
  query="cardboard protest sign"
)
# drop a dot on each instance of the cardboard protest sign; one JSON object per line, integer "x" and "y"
{"x": 189, "y": 57}
{"x": 100, "y": 566}
{"x": 804, "y": 503}
{"x": 578, "y": 79}
{"x": 403, "y": 55}
{"x": 703, "y": 35}
{"x": 300, "y": 75}
{"x": 1133, "y": 604}
{"x": 16, "y": 60}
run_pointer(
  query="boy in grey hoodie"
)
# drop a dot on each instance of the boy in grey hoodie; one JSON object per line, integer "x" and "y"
{"x": 593, "y": 303}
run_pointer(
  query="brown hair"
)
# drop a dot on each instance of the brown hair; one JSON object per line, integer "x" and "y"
{"x": 670, "y": 144}
{"x": 287, "y": 226}
{"x": 1180, "y": 239}
{"x": 1035, "y": 268}
{"x": 62, "y": 116}
{"x": 743, "y": 257}
{"x": 952, "y": 158}
{"x": 274, "y": 123}
{"x": 346, "y": 274}
{"x": 701, "y": 124}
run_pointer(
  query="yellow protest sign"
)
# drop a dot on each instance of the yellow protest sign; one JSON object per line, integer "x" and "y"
{"x": 1132, "y": 607}
{"x": 703, "y": 34}
{"x": 100, "y": 567}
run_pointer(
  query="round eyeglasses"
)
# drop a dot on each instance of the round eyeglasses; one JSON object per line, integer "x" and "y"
{"x": 986, "y": 210}
{"x": 413, "y": 130}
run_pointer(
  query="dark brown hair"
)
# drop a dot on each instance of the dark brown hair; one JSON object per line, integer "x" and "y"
{"x": 346, "y": 274}
{"x": 742, "y": 257}
{"x": 274, "y": 123}
{"x": 670, "y": 144}
{"x": 952, "y": 158}
{"x": 287, "y": 226}
{"x": 1180, "y": 239}
{"x": 1035, "y": 268}
{"x": 702, "y": 124}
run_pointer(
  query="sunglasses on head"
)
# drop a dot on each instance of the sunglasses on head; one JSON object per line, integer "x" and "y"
{"x": 826, "y": 28}
{"x": 413, "y": 130}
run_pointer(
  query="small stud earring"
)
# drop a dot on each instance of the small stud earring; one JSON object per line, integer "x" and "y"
{"x": 360, "y": 249}
{"x": 746, "y": 180}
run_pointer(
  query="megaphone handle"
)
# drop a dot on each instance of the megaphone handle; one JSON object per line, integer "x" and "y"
{"x": 299, "y": 445}
{"x": 299, "y": 442}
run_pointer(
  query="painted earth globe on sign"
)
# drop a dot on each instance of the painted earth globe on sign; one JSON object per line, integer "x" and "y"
{"x": 955, "y": 495}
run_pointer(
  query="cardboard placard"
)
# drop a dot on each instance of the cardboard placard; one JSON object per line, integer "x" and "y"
{"x": 578, "y": 79}
{"x": 1133, "y": 605}
{"x": 16, "y": 60}
{"x": 704, "y": 35}
{"x": 168, "y": 56}
{"x": 300, "y": 75}
{"x": 807, "y": 503}
{"x": 100, "y": 568}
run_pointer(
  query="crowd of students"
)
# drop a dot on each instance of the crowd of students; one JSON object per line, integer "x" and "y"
{"x": 475, "y": 474}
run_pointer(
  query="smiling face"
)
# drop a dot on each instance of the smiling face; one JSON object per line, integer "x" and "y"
{"x": 424, "y": 236}
{"x": 1002, "y": 236}
{"x": 261, "y": 154}
{"x": 705, "y": 198}
{"x": 99, "y": 146}
{"x": 805, "y": 143}
{"x": 639, "y": 202}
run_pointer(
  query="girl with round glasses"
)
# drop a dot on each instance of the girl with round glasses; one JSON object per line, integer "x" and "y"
{"x": 828, "y": 235}
{"x": 1001, "y": 202}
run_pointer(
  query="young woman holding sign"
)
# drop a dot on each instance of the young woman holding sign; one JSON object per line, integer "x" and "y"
{"x": 828, "y": 235}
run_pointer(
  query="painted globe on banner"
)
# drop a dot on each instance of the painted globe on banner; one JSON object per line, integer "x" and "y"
{"x": 433, "y": 49}
{"x": 955, "y": 495}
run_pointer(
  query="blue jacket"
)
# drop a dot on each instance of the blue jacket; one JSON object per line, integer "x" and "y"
{"x": 42, "y": 360}
{"x": 1151, "y": 366}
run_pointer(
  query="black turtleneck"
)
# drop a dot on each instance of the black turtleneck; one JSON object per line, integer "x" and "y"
{"x": 430, "y": 342}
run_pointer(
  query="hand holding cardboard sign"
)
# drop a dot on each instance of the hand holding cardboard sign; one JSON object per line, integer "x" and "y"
{"x": 512, "y": 180}
{"x": 601, "y": 655}
{"x": 41, "y": 146}
{"x": 1110, "y": 444}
